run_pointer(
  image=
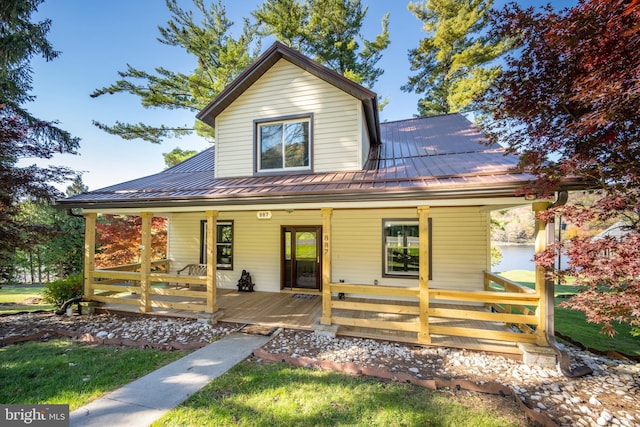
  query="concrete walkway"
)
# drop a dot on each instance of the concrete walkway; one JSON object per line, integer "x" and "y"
{"x": 148, "y": 398}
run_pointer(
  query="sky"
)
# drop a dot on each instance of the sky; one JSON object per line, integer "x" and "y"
{"x": 96, "y": 39}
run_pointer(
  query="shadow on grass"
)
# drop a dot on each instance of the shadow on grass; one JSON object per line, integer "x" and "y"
{"x": 63, "y": 371}
{"x": 259, "y": 394}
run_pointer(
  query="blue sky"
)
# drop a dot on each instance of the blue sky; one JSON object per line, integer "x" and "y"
{"x": 98, "y": 38}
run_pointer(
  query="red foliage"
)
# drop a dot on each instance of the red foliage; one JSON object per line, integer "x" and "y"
{"x": 568, "y": 104}
{"x": 119, "y": 237}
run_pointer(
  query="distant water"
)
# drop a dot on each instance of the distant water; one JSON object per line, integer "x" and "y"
{"x": 518, "y": 257}
{"x": 515, "y": 257}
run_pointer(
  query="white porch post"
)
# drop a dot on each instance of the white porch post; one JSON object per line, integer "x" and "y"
{"x": 145, "y": 262}
{"x": 212, "y": 219}
{"x": 89, "y": 253}
{"x": 541, "y": 283}
{"x": 327, "y": 213}
{"x": 423, "y": 216}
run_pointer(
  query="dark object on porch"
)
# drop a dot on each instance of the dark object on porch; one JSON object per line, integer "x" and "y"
{"x": 245, "y": 284}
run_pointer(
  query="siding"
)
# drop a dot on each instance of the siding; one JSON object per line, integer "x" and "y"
{"x": 460, "y": 245}
{"x": 287, "y": 90}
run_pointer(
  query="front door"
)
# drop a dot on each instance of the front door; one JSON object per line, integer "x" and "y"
{"x": 301, "y": 257}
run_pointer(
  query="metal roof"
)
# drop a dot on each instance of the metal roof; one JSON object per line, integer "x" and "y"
{"x": 442, "y": 156}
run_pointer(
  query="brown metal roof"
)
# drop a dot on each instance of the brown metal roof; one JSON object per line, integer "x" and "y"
{"x": 438, "y": 157}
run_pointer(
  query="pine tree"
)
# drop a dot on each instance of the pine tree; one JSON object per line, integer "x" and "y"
{"x": 21, "y": 134}
{"x": 329, "y": 31}
{"x": 220, "y": 58}
{"x": 451, "y": 63}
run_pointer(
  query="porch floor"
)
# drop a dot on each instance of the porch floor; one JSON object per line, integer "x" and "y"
{"x": 301, "y": 310}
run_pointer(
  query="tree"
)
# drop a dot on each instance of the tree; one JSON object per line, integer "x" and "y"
{"x": 451, "y": 62}
{"x": 568, "y": 104}
{"x": 21, "y": 134}
{"x": 220, "y": 58}
{"x": 118, "y": 239}
{"x": 177, "y": 155}
{"x": 329, "y": 31}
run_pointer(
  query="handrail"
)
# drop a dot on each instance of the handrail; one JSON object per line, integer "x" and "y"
{"x": 508, "y": 284}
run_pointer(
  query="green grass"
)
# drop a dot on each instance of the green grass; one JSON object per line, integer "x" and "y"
{"x": 67, "y": 372}
{"x": 10, "y": 296}
{"x": 573, "y": 323}
{"x": 254, "y": 394}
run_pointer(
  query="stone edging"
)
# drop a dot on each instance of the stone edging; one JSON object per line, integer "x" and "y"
{"x": 431, "y": 384}
{"x": 88, "y": 338}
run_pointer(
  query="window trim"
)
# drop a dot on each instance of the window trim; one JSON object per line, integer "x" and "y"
{"x": 203, "y": 243}
{"x": 384, "y": 248}
{"x": 308, "y": 117}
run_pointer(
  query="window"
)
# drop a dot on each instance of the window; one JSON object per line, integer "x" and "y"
{"x": 401, "y": 246}
{"x": 283, "y": 145}
{"x": 224, "y": 244}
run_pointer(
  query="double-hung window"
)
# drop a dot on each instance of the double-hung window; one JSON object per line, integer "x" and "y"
{"x": 401, "y": 247}
{"x": 283, "y": 145}
{"x": 224, "y": 244}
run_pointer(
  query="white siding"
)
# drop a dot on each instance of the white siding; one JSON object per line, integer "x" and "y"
{"x": 459, "y": 243}
{"x": 287, "y": 90}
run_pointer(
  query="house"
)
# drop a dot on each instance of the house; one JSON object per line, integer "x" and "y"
{"x": 386, "y": 224}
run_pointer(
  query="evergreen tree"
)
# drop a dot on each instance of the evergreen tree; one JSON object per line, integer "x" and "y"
{"x": 220, "y": 58}
{"x": 329, "y": 31}
{"x": 451, "y": 63}
{"x": 21, "y": 134}
{"x": 177, "y": 155}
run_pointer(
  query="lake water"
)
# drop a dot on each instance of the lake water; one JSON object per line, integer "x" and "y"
{"x": 518, "y": 257}
{"x": 515, "y": 257}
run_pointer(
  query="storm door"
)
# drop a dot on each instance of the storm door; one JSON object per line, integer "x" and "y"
{"x": 301, "y": 257}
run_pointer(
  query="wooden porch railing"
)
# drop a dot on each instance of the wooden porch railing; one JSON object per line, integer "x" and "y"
{"x": 115, "y": 281}
{"x": 509, "y": 302}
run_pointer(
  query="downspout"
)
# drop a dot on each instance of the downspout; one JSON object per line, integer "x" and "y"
{"x": 563, "y": 356}
{"x": 62, "y": 310}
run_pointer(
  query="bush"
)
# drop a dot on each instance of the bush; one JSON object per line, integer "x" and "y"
{"x": 60, "y": 291}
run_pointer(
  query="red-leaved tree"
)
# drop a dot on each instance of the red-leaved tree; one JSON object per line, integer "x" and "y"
{"x": 119, "y": 237}
{"x": 568, "y": 102}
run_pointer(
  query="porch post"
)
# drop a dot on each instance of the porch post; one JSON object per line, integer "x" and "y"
{"x": 541, "y": 282}
{"x": 89, "y": 253}
{"x": 327, "y": 213}
{"x": 212, "y": 219}
{"x": 145, "y": 262}
{"x": 423, "y": 216}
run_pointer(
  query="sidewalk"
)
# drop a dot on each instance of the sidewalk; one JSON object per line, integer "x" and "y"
{"x": 148, "y": 398}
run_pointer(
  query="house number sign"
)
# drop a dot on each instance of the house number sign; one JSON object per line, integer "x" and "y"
{"x": 264, "y": 214}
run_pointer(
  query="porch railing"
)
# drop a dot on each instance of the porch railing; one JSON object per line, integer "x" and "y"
{"x": 112, "y": 283}
{"x": 508, "y": 302}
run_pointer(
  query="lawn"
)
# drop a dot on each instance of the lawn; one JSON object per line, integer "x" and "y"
{"x": 273, "y": 394}
{"x": 573, "y": 323}
{"x": 12, "y": 296}
{"x": 66, "y": 372}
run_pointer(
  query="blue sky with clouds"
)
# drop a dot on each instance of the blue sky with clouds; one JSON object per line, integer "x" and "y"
{"x": 98, "y": 38}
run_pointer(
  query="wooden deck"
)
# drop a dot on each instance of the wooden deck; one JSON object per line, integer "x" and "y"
{"x": 302, "y": 310}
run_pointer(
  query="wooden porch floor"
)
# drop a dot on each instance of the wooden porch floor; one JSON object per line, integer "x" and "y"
{"x": 300, "y": 311}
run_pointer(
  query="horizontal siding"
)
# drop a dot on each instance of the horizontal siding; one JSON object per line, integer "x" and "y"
{"x": 336, "y": 134}
{"x": 460, "y": 247}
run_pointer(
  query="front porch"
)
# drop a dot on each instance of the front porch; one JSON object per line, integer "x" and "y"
{"x": 497, "y": 315}
{"x": 454, "y": 324}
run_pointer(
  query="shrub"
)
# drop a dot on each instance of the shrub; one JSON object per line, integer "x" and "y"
{"x": 59, "y": 291}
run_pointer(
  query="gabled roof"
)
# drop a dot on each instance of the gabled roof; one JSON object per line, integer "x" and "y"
{"x": 432, "y": 157}
{"x": 272, "y": 55}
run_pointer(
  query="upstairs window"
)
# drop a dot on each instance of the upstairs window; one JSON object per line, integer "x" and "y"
{"x": 283, "y": 145}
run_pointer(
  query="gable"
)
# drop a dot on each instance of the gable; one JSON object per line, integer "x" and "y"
{"x": 286, "y": 91}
